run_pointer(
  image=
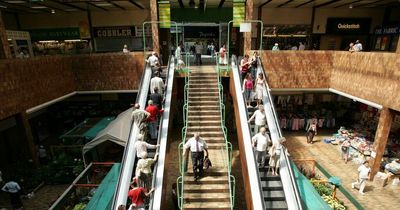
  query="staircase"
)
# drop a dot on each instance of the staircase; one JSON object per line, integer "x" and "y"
{"x": 274, "y": 196}
{"x": 204, "y": 116}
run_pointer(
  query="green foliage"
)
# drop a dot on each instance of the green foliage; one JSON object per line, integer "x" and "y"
{"x": 80, "y": 206}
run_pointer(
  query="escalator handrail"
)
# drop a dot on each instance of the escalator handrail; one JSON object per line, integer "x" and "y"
{"x": 128, "y": 160}
{"x": 158, "y": 172}
{"x": 260, "y": 68}
{"x": 253, "y": 173}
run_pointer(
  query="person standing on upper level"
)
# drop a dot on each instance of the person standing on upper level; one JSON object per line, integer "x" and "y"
{"x": 198, "y": 50}
{"x": 222, "y": 56}
{"x": 358, "y": 46}
{"x": 275, "y": 47}
{"x": 125, "y": 49}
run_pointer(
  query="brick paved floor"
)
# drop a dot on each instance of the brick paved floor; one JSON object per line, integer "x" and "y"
{"x": 328, "y": 156}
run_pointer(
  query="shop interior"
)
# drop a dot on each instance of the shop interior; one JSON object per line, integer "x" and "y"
{"x": 345, "y": 119}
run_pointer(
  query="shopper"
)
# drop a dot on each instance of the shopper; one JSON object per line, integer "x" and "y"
{"x": 157, "y": 98}
{"x": 143, "y": 169}
{"x": 212, "y": 49}
{"x": 260, "y": 144}
{"x": 260, "y": 118}
{"x": 178, "y": 51}
{"x": 248, "y": 88}
{"x": 139, "y": 117}
{"x": 358, "y": 46}
{"x": 156, "y": 81}
{"x": 275, "y": 152}
{"x": 275, "y": 47}
{"x": 153, "y": 59}
{"x": 363, "y": 174}
{"x": 14, "y": 190}
{"x": 197, "y": 146}
{"x": 245, "y": 66}
{"x": 344, "y": 148}
{"x": 198, "y": 49}
{"x": 152, "y": 120}
{"x": 141, "y": 146}
{"x": 311, "y": 132}
{"x": 223, "y": 58}
{"x": 260, "y": 88}
{"x": 254, "y": 64}
{"x": 138, "y": 195}
{"x": 125, "y": 49}
{"x": 351, "y": 47}
{"x": 301, "y": 46}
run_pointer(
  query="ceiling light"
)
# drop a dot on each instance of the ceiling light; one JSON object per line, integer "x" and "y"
{"x": 16, "y": 2}
{"x": 350, "y": 6}
{"x": 103, "y": 4}
{"x": 39, "y": 7}
{"x": 4, "y": 7}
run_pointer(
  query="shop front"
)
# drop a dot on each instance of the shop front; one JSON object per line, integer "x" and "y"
{"x": 340, "y": 32}
{"x": 52, "y": 41}
{"x": 287, "y": 36}
{"x": 113, "y": 39}
{"x": 386, "y": 38}
{"x": 20, "y": 44}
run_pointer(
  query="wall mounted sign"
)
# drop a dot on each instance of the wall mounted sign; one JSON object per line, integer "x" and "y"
{"x": 350, "y": 26}
{"x": 114, "y": 31}
{"x": 386, "y": 30}
{"x": 239, "y": 12}
{"x": 54, "y": 34}
{"x": 207, "y": 32}
{"x": 164, "y": 14}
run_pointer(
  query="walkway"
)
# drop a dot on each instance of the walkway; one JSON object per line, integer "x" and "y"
{"x": 328, "y": 156}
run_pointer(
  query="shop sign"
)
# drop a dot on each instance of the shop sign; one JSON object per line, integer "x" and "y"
{"x": 164, "y": 14}
{"x": 239, "y": 12}
{"x": 114, "y": 31}
{"x": 348, "y": 25}
{"x": 54, "y": 34}
{"x": 387, "y": 30}
{"x": 207, "y": 32}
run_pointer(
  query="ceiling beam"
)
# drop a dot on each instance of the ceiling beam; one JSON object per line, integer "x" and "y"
{"x": 264, "y": 3}
{"x": 181, "y": 4}
{"x": 287, "y": 2}
{"x": 20, "y": 7}
{"x": 136, "y": 4}
{"x": 45, "y": 5}
{"x": 93, "y": 5}
{"x": 221, "y": 3}
{"x": 116, "y": 5}
{"x": 68, "y": 5}
{"x": 326, "y": 3}
{"x": 366, "y": 4}
{"x": 302, "y": 4}
{"x": 348, "y": 3}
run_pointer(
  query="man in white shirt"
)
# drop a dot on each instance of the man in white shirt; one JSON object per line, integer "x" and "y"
{"x": 358, "y": 46}
{"x": 13, "y": 189}
{"x": 156, "y": 81}
{"x": 153, "y": 59}
{"x": 260, "y": 143}
{"x": 301, "y": 46}
{"x": 142, "y": 146}
{"x": 363, "y": 175}
{"x": 197, "y": 147}
{"x": 260, "y": 118}
{"x": 199, "y": 49}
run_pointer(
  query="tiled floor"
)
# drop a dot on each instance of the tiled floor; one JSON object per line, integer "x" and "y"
{"x": 328, "y": 156}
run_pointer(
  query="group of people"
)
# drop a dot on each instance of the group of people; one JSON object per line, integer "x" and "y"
{"x": 301, "y": 46}
{"x": 147, "y": 121}
{"x": 253, "y": 89}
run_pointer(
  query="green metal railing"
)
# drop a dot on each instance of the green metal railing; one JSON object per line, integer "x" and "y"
{"x": 228, "y": 145}
{"x": 182, "y": 162}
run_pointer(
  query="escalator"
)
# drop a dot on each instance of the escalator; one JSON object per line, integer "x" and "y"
{"x": 128, "y": 163}
{"x": 270, "y": 192}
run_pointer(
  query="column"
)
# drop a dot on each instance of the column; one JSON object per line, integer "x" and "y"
{"x": 5, "y": 51}
{"x": 24, "y": 122}
{"x": 247, "y": 35}
{"x": 154, "y": 26}
{"x": 381, "y": 137}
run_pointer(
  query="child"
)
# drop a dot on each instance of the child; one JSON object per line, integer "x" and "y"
{"x": 364, "y": 171}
